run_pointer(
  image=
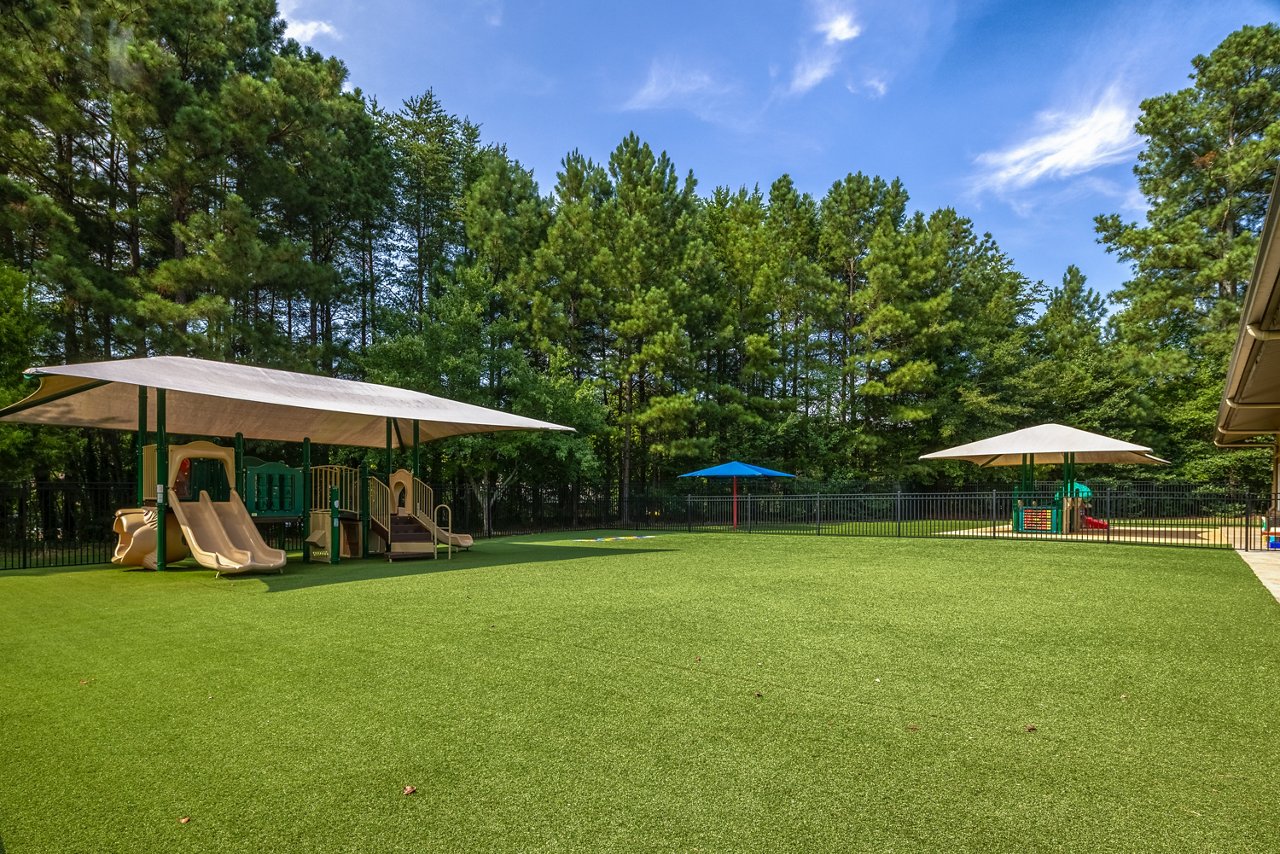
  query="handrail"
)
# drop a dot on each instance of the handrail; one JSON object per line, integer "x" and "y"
{"x": 426, "y": 511}
{"x": 447, "y": 527}
{"x": 324, "y": 478}
{"x": 380, "y": 505}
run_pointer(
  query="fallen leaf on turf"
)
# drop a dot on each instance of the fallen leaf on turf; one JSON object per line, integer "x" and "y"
{"x": 409, "y": 790}
{"x": 186, "y": 819}
{"x": 699, "y": 658}
{"x": 913, "y": 727}
{"x": 1030, "y": 727}
{"x": 759, "y": 695}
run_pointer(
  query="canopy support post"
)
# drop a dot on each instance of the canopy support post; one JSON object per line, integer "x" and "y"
{"x": 239, "y": 452}
{"x": 735, "y": 502}
{"x": 140, "y": 442}
{"x": 306, "y": 500}
{"x": 388, "y": 452}
{"x": 162, "y": 483}
{"x": 417, "y": 458}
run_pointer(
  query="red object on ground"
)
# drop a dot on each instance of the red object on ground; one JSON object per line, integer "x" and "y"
{"x": 1097, "y": 524}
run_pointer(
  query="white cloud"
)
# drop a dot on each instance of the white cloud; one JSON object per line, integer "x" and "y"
{"x": 839, "y": 27}
{"x": 820, "y": 60}
{"x": 304, "y": 30}
{"x": 1064, "y": 144}
{"x": 671, "y": 85}
{"x": 811, "y": 69}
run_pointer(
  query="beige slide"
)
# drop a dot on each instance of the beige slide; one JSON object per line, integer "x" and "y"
{"x": 224, "y": 546}
{"x": 243, "y": 534}
{"x": 458, "y": 541}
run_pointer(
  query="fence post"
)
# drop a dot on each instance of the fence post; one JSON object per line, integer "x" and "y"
{"x": 817, "y": 512}
{"x": 993, "y": 513}
{"x": 1248, "y": 521}
{"x": 22, "y": 525}
{"x": 688, "y": 512}
{"x": 897, "y": 512}
{"x": 1110, "y": 521}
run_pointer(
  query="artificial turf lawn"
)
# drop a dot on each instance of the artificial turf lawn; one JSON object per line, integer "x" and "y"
{"x": 686, "y": 692}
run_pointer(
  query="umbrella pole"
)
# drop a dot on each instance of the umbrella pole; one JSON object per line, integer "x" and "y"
{"x": 735, "y": 503}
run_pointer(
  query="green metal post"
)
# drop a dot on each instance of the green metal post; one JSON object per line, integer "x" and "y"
{"x": 364, "y": 509}
{"x": 417, "y": 459}
{"x": 140, "y": 442}
{"x": 306, "y": 499}
{"x": 388, "y": 452}
{"x": 239, "y": 484}
{"x": 162, "y": 482}
{"x": 335, "y": 525}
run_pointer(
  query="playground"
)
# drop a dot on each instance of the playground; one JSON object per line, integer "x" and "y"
{"x": 684, "y": 691}
{"x": 210, "y": 502}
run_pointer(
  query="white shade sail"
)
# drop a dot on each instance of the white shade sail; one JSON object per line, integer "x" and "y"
{"x": 1050, "y": 443}
{"x": 205, "y": 398}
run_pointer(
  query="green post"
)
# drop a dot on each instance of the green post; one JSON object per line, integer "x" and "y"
{"x": 335, "y": 525}
{"x": 388, "y": 452}
{"x": 162, "y": 482}
{"x": 417, "y": 459}
{"x": 239, "y": 484}
{"x": 306, "y": 499}
{"x": 364, "y": 509}
{"x": 140, "y": 442}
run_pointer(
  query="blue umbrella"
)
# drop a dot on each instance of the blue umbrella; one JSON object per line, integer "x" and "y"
{"x": 736, "y": 470}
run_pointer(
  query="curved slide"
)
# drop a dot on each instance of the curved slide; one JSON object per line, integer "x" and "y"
{"x": 458, "y": 541}
{"x": 218, "y": 538}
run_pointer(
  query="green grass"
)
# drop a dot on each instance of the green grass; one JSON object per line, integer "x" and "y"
{"x": 687, "y": 692}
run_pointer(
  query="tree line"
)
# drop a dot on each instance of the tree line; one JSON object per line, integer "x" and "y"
{"x": 180, "y": 178}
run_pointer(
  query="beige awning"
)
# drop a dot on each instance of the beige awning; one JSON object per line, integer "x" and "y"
{"x": 1251, "y": 399}
{"x": 1050, "y": 443}
{"x": 205, "y": 398}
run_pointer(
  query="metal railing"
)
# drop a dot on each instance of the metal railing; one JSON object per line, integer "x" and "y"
{"x": 59, "y": 523}
{"x": 380, "y": 504}
{"x": 324, "y": 478}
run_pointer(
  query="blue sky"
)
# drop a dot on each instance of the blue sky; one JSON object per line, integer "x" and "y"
{"x": 1017, "y": 114}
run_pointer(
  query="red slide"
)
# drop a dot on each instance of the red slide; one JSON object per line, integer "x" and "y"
{"x": 1096, "y": 524}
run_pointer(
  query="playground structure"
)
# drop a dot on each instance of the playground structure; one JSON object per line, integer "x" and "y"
{"x": 221, "y": 531}
{"x": 215, "y": 496}
{"x": 1035, "y": 512}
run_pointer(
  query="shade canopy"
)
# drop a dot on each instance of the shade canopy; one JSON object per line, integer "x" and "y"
{"x": 1049, "y": 443}
{"x": 1251, "y": 397}
{"x": 205, "y": 398}
{"x": 736, "y": 469}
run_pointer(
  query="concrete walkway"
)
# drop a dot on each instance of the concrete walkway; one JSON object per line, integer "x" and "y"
{"x": 1265, "y": 565}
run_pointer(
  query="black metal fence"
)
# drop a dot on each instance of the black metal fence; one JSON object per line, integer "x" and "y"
{"x": 59, "y": 523}
{"x": 64, "y": 524}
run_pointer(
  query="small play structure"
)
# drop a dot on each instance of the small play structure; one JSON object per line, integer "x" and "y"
{"x": 209, "y": 500}
{"x": 214, "y": 523}
{"x": 1066, "y": 511}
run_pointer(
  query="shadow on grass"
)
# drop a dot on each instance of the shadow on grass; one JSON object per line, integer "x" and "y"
{"x": 485, "y": 555}
{"x": 505, "y": 551}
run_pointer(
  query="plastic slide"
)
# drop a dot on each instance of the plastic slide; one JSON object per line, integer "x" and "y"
{"x": 243, "y": 534}
{"x": 209, "y": 544}
{"x": 1096, "y": 524}
{"x": 458, "y": 541}
{"x": 137, "y": 528}
{"x": 213, "y": 545}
